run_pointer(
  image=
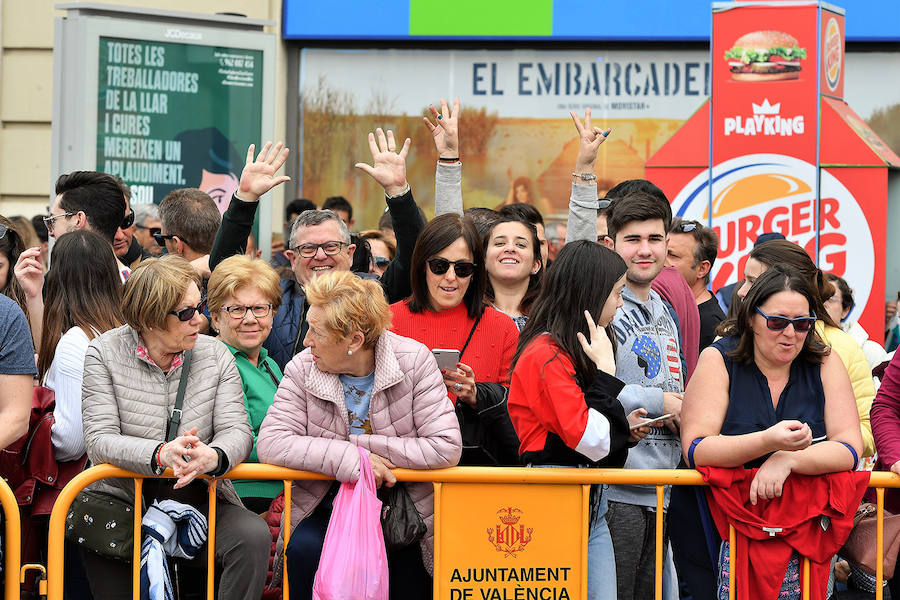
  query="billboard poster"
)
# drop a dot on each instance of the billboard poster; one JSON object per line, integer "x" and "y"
{"x": 173, "y": 115}
{"x": 516, "y": 134}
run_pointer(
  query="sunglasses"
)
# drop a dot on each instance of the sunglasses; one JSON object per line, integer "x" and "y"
{"x": 776, "y": 323}
{"x": 380, "y": 261}
{"x": 3, "y": 230}
{"x": 48, "y": 221}
{"x": 462, "y": 268}
{"x": 186, "y": 314}
{"x": 128, "y": 221}
{"x": 161, "y": 238}
{"x": 688, "y": 226}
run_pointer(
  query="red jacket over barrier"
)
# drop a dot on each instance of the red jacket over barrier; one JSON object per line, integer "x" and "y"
{"x": 767, "y": 534}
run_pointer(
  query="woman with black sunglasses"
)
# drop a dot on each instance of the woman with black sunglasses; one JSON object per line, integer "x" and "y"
{"x": 447, "y": 311}
{"x": 132, "y": 376}
{"x": 770, "y": 395}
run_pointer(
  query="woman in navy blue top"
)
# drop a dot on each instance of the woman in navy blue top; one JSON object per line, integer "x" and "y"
{"x": 769, "y": 394}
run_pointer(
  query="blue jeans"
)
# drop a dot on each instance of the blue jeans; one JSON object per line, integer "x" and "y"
{"x": 601, "y": 559}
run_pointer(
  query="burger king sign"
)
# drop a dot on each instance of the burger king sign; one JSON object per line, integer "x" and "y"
{"x": 759, "y": 193}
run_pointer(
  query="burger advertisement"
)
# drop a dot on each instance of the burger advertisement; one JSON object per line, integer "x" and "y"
{"x": 765, "y": 56}
{"x": 764, "y": 76}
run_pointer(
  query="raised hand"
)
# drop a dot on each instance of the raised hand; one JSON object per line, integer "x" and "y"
{"x": 599, "y": 349}
{"x": 258, "y": 176}
{"x": 389, "y": 166}
{"x": 30, "y": 272}
{"x": 445, "y": 129}
{"x": 590, "y": 138}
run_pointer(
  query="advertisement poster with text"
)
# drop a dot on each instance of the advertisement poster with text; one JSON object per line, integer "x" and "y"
{"x": 173, "y": 115}
{"x": 517, "y": 138}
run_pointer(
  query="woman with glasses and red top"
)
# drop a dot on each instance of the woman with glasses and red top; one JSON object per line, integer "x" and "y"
{"x": 447, "y": 311}
{"x": 771, "y": 396}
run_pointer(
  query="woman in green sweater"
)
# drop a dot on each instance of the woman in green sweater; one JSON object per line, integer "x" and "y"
{"x": 244, "y": 294}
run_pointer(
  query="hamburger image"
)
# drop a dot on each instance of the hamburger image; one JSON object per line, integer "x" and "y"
{"x": 765, "y": 56}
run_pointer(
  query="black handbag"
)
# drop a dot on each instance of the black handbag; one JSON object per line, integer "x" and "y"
{"x": 401, "y": 522}
{"x": 104, "y": 523}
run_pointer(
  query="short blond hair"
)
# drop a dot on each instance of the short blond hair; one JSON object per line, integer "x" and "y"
{"x": 154, "y": 289}
{"x": 351, "y": 304}
{"x": 241, "y": 271}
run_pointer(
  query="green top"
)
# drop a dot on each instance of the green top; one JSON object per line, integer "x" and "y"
{"x": 260, "y": 384}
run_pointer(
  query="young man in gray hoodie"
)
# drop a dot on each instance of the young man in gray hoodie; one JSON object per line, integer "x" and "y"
{"x": 649, "y": 361}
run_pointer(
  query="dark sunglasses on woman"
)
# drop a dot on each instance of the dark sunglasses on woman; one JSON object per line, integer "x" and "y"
{"x": 777, "y": 323}
{"x": 462, "y": 268}
{"x": 186, "y": 314}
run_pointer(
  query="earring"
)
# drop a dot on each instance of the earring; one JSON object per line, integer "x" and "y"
{"x": 349, "y": 352}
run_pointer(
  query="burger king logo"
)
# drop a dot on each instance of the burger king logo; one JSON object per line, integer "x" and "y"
{"x": 832, "y": 53}
{"x": 760, "y": 193}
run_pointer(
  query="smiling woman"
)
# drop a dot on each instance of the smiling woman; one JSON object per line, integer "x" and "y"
{"x": 244, "y": 294}
{"x": 514, "y": 267}
{"x": 447, "y": 311}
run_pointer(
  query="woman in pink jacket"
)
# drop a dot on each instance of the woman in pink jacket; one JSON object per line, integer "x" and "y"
{"x": 357, "y": 384}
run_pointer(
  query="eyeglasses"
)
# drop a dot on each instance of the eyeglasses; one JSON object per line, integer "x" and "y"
{"x": 3, "y": 230}
{"x": 128, "y": 221}
{"x": 161, "y": 238}
{"x": 310, "y": 250}
{"x": 186, "y": 314}
{"x": 380, "y": 261}
{"x": 48, "y": 221}
{"x": 240, "y": 312}
{"x": 776, "y": 323}
{"x": 462, "y": 268}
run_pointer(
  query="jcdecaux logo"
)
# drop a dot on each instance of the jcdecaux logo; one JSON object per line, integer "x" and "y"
{"x": 759, "y": 193}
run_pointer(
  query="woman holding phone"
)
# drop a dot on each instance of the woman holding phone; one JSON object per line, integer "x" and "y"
{"x": 563, "y": 395}
{"x": 446, "y": 312}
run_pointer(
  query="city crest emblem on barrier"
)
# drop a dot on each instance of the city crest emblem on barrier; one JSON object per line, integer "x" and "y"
{"x": 509, "y": 536}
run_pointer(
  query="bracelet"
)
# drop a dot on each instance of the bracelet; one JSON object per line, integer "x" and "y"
{"x": 157, "y": 467}
{"x": 585, "y": 176}
{"x": 448, "y": 160}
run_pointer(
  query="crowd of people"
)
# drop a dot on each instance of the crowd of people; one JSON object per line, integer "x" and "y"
{"x": 480, "y": 337}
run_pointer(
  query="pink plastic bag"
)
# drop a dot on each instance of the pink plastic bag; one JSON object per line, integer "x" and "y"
{"x": 353, "y": 565}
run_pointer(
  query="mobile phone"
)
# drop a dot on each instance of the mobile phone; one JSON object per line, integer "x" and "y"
{"x": 446, "y": 359}
{"x": 659, "y": 419}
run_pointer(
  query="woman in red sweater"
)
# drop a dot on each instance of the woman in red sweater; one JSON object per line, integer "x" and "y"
{"x": 447, "y": 310}
{"x": 563, "y": 396}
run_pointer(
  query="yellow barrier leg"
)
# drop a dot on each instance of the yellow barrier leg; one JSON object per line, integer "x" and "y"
{"x": 287, "y": 538}
{"x": 659, "y": 542}
{"x": 879, "y": 544}
{"x": 13, "y": 544}
{"x": 136, "y": 551}
{"x": 731, "y": 562}
{"x": 211, "y": 543}
{"x": 805, "y": 589}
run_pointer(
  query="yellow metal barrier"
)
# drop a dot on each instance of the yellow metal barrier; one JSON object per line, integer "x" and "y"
{"x": 12, "y": 541}
{"x": 467, "y": 475}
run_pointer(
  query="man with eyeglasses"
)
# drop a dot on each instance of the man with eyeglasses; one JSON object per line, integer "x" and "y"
{"x": 319, "y": 241}
{"x": 84, "y": 200}
{"x": 692, "y": 250}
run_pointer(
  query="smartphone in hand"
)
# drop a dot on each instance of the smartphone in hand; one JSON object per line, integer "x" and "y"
{"x": 446, "y": 359}
{"x": 655, "y": 421}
